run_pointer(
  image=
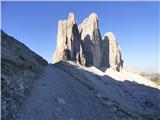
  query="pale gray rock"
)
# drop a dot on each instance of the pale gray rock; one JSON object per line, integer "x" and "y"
{"x": 125, "y": 100}
{"x": 61, "y": 101}
{"x": 84, "y": 45}
{"x": 91, "y": 37}
{"x": 111, "y": 52}
{"x": 68, "y": 40}
{"x": 65, "y": 97}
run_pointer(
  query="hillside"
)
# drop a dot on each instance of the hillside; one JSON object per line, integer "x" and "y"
{"x": 69, "y": 91}
{"x": 20, "y": 67}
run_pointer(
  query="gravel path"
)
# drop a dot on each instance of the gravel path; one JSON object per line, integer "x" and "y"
{"x": 60, "y": 94}
{"x": 57, "y": 96}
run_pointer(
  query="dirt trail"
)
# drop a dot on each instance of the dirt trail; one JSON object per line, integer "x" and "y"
{"x": 63, "y": 93}
{"x": 57, "y": 96}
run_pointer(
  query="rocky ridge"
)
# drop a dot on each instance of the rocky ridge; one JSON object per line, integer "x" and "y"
{"x": 128, "y": 92}
{"x": 85, "y": 44}
{"x": 20, "y": 67}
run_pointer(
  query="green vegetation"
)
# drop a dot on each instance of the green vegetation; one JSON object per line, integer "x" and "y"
{"x": 154, "y": 77}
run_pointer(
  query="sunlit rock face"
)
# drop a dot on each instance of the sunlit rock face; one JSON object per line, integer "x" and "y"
{"x": 68, "y": 40}
{"x": 83, "y": 44}
{"x": 111, "y": 52}
{"x": 91, "y": 37}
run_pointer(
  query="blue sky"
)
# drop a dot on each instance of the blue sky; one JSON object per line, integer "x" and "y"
{"x": 135, "y": 25}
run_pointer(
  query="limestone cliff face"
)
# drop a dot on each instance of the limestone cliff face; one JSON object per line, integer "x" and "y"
{"x": 111, "y": 52}
{"x": 91, "y": 37}
{"x": 84, "y": 45}
{"x": 68, "y": 40}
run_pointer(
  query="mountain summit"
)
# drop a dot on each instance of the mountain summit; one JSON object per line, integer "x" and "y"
{"x": 83, "y": 44}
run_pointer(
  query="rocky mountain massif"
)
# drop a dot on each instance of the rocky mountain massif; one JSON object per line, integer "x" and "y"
{"x": 68, "y": 90}
{"x": 19, "y": 69}
{"x": 83, "y": 44}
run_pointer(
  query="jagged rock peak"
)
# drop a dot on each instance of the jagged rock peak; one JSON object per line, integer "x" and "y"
{"x": 93, "y": 16}
{"x": 68, "y": 40}
{"x": 91, "y": 20}
{"x": 111, "y": 36}
{"x": 83, "y": 44}
{"x": 113, "y": 51}
{"x": 72, "y": 16}
{"x": 91, "y": 37}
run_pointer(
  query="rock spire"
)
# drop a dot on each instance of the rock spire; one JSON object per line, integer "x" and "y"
{"x": 68, "y": 40}
{"x": 111, "y": 52}
{"x": 91, "y": 37}
{"x": 84, "y": 45}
